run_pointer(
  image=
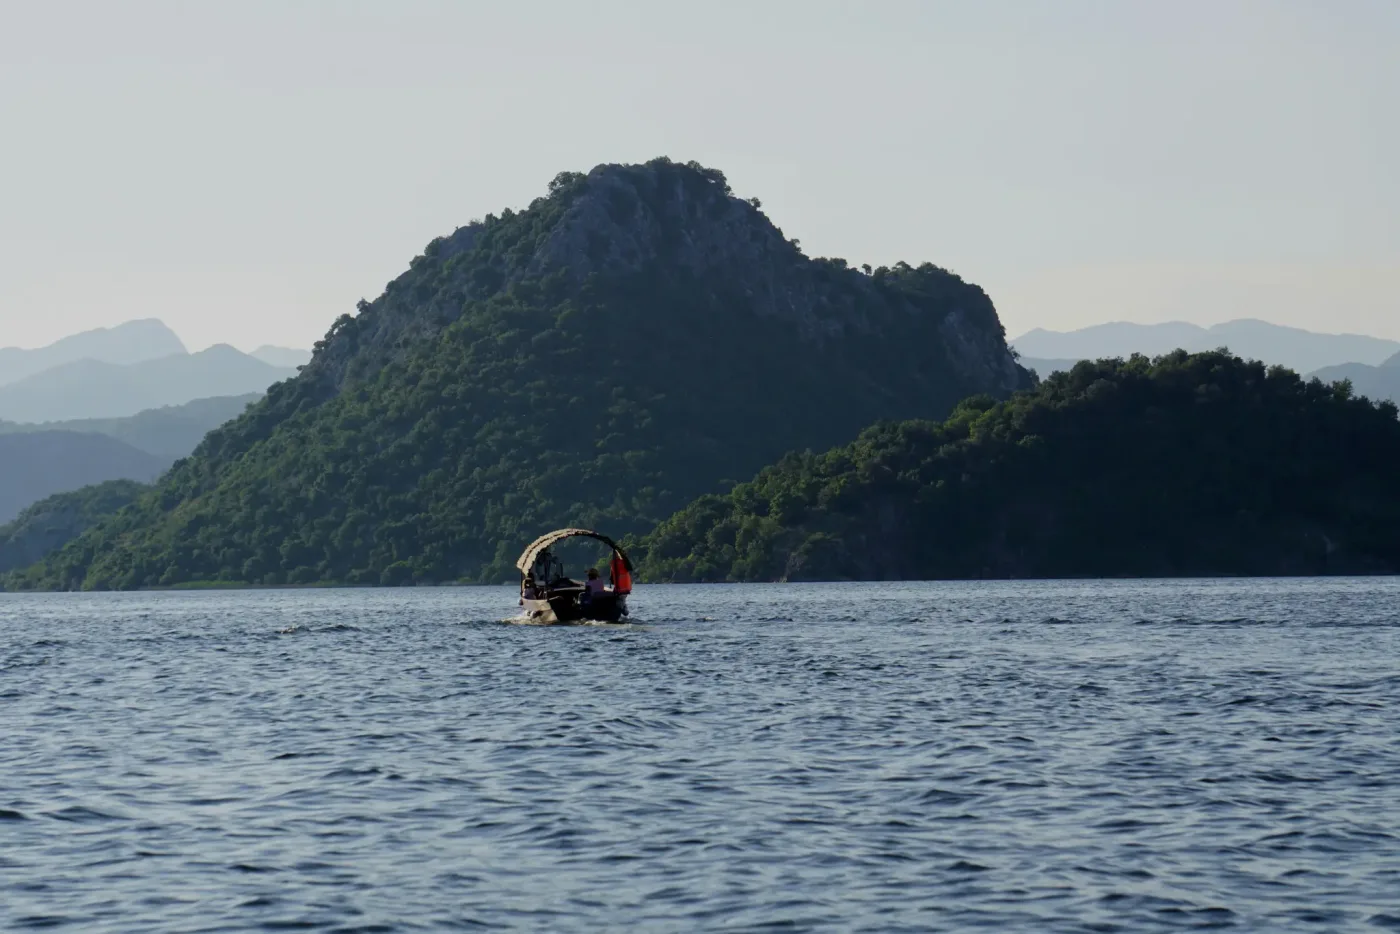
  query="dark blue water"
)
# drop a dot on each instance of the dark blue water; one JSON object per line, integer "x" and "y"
{"x": 1028, "y": 756}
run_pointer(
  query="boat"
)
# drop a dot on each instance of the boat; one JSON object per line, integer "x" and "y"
{"x": 547, "y": 595}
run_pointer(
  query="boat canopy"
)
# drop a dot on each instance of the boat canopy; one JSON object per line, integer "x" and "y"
{"x": 527, "y": 560}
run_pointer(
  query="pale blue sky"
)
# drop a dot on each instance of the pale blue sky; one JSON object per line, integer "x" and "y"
{"x": 248, "y": 170}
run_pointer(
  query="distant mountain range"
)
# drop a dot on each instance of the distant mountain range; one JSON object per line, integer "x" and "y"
{"x": 1371, "y": 363}
{"x": 171, "y": 432}
{"x": 133, "y": 342}
{"x": 38, "y": 464}
{"x": 120, "y": 371}
{"x": 120, "y": 403}
{"x": 96, "y": 389}
{"x": 58, "y": 457}
{"x": 1376, "y": 382}
{"x": 1297, "y": 349}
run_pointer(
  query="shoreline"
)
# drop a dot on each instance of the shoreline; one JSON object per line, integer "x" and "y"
{"x": 223, "y": 587}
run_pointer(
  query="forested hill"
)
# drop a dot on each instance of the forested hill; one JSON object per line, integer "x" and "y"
{"x": 1179, "y": 466}
{"x": 57, "y": 520}
{"x": 636, "y": 338}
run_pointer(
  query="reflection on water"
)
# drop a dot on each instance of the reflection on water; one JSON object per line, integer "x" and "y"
{"x": 1029, "y": 756}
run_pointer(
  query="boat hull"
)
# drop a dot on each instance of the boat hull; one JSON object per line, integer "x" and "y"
{"x": 567, "y": 608}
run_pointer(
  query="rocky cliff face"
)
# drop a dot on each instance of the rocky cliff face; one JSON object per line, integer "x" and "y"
{"x": 680, "y": 221}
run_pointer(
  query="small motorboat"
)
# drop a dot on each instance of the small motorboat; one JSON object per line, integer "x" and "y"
{"x": 549, "y": 596}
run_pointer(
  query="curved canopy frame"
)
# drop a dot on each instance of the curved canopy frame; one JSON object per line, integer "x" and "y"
{"x": 527, "y": 559}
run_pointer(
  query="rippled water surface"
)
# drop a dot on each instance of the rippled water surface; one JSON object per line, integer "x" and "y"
{"x": 1028, "y": 756}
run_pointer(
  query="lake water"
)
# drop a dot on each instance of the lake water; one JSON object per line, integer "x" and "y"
{"x": 1125, "y": 756}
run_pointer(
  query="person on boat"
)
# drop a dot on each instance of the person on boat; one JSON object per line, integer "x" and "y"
{"x": 529, "y": 591}
{"x": 540, "y": 571}
{"x": 594, "y": 586}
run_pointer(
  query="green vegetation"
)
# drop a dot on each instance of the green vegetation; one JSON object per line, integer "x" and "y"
{"x": 52, "y": 523}
{"x": 625, "y": 345}
{"x": 1183, "y": 465}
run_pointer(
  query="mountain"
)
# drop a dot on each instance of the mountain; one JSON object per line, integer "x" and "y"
{"x": 1182, "y": 466}
{"x": 628, "y": 342}
{"x": 1375, "y": 382}
{"x": 1115, "y": 339}
{"x": 92, "y": 389}
{"x": 133, "y": 342}
{"x": 171, "y": 432}
{"x": 39, "y": 464}
{"x": 1043, "y": 368}
{"x": 289, "y": 357}
{"x": 53, "y": 522}
{"x": 1294, "y": 348}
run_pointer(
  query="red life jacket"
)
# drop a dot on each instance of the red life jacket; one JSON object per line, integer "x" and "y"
{"x": 621, "y": 577}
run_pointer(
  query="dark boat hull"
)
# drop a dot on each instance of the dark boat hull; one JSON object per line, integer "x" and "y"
{"x": 567, "y": 608}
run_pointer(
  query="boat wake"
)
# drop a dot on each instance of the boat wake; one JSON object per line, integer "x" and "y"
{"x": 523, "y": 620}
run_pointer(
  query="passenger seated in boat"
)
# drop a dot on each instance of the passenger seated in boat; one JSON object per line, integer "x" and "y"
{"x": 594, "y": 585}
{"x": 529, "y": 591}
{"x": 549, "y": 570}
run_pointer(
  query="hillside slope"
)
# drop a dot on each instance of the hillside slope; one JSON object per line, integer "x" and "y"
{"x": 1186, "y": 465}
{"x": 38, "y": 464}
{"x": 636, "y": 338}
{"x": 53, "y": 522}
{"x": 92, "y": 389}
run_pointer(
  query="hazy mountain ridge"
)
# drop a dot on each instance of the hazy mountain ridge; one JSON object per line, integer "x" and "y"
{"x": 131, "y": 342}
{"x": 170, "y": 431}
{"x": 85, "y": 389}
{"x": 635, "y": 338}
{"x": 1299, "y": 350}
{"x": 36, "y": 465}
{"x": 1376, "y": 382}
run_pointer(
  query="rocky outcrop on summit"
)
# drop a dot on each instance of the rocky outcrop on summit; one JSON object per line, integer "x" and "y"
{"x": 627, "y": 221}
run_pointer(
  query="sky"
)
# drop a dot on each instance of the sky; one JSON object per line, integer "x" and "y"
{"x": 246, "y": 171}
